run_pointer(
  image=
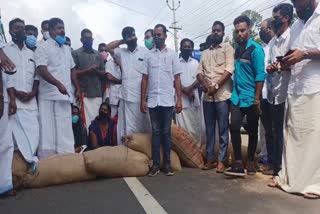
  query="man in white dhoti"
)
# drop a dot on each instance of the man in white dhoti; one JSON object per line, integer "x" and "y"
{"x": 56, "y": 68}
{"x": 190, "y": 116}
{"x": 25, "y": 83}
{"x": 301, "y": 166}
{"x": 131, "y": 119}
{"x": 7, "y": 106}
{"x": 113, "y": 71}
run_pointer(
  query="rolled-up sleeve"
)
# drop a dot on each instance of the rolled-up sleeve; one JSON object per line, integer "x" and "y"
{"x": 41, "y": 56}
{"x": 258, "y": 64}
{"x": 229, "y": 54}
{"x": 146, "y": 67}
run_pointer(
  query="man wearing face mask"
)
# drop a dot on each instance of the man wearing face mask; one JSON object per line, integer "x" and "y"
{"x": 91, "y": 76}
{"x": 214, "y": 74}
{"x": 56, "y": 68}
{"x": 45, "y": 32}
{"x": 148, "y": 39}
{"x": 189, "y": 117}
{"x": 25, "y": 84}
{"x": 102, "y": 48}
{"x": 31, "y": 37}
{"x": 277, "y": 84}
{"x": 131, "y": 59}
{"x": 300, "y": 171}
{"x": 266, "y": 33}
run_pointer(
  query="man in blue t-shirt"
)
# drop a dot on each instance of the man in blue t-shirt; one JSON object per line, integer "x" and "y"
{"x": 248, "y": 82}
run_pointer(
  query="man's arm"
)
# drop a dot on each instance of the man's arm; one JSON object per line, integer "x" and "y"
{"x": 113, "y": 45}
{"x": 178, "y": 87}
{"x": 75, "y": 82}
{"x": 12, "y": 101}
{"x": 113, "y": 79}
{"x": 299, "y": 55}
{"x": 1, "y": 96}
{"x": 44, "y": 73}
{"x": 144, "y": 87}
{"x": 5, "y": 62}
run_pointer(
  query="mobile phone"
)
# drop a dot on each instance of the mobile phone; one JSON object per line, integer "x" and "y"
{"x": 280, "y": 58}
{"x": 289, "y": 52}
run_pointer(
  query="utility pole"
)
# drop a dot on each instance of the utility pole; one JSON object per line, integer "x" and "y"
{"x": 174, "y": 24}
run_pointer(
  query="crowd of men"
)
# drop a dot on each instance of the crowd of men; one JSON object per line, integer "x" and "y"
{"x": 276, "y": 83}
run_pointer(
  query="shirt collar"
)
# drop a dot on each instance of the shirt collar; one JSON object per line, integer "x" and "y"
{"x": 15, "y": 45}
{"x": 137, "y": 49}
{"x": 189, "y": 60}
{"x": 87, "y": 51}
{"x": 285, "y": 34}
{"x": 218, "y": 46}
{"x": 250, "y": 41}
{"x": 157, "y": 50}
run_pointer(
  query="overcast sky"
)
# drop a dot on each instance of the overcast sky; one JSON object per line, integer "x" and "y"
{"x": 106, "y": 18}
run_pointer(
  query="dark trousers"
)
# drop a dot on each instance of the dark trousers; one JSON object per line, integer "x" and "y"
{"x": 217, "y": 112}
{"x": 237, "y": 115}
{"x": 161, "y": 118}
{"x": 266, "y": 122}
{"x": 273, "y": 124}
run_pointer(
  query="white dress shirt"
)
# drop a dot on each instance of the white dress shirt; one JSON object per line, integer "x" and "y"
{"x": 115, "y": 89}
{"x": 278, "y": 82}
{"x": 132, "y": 64}
{"x": 22, "y": 80}
{"x": 188, "y": 77}
{"x": 266, "y": 59}
{"x": 305, "y": 75}
{"x": 59, "y": 63}
{"x": 161, "y": 67}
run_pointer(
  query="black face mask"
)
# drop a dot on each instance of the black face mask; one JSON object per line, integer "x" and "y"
{"x": 277, "y": 24}
{"x": 131, "y": 43}
{"x": 186, "y": 52}
{"x": 306, "y": 13}
{"x": 264, "y": 36}
{"x": 19, "y": 36}
{"x": 159, "y": 42}
{"x": 214, "y": 40}
{"x": 103, "y": 116}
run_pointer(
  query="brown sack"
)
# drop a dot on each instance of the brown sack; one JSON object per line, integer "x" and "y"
{"x": 19, "y": 170}
{"x": 189, "y": 153}
{"x": 59, "y": 169}
{"x": 143, "y": 143}
{"x": 117, "y": 161}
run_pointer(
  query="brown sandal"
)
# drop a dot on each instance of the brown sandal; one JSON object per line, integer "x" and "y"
{"x": 311, "y": 196}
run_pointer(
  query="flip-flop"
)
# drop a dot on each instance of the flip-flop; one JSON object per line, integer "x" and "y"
{"x": 311, "y": 196}
{"x": 273, "y": 184}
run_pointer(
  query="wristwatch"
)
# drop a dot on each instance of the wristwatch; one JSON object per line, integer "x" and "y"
{"x": 216, "y": 86}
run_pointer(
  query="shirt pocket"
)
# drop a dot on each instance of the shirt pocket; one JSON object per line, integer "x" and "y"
{"x": 220, "y": 58}
{"x": 139, "y": 64}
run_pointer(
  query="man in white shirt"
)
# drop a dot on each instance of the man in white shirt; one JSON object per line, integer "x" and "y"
{"x": 56, "y": 68}
{"x": 25, "y": 83}
{"x": 277, "y": 84}
{"x": 131, "y": 119}
{"x": 7, "y": 108}
{"x": 114, "y": 77}
{"x": 161, "y": 77}
{"x": 45, "y": 32}
{"x": 300, "y": 171}
{"x": 190, "y": 116}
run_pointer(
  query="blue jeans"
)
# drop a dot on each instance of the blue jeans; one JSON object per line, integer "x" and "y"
{"x": 161, "y": 118}
{"x": 217, "y": 112}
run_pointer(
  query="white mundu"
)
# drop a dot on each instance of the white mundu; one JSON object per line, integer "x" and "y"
{"x": 56, "y": 135}
{"x": 26, "y": 124}
{"x": 6, "y": 143}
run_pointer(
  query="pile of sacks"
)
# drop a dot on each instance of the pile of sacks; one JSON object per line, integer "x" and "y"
{"x": 129, "y": 160}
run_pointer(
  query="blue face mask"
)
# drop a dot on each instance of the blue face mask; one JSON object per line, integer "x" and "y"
{"x": 60, "y": 40}
{"x": 87, "y": 44}
{"x": 75, "y": 119}
{"x": 31, "y": 41}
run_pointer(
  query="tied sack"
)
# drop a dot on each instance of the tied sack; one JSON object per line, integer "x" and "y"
{"x": 19, "y": 170}
{"x": 116, "y": 161}
{"x": 143, "y": 143}
{"x": 184, "y": 145}
{"x": 59, "y": 169}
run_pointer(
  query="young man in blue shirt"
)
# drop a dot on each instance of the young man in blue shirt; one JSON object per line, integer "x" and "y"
{"x": 248, "y": 82}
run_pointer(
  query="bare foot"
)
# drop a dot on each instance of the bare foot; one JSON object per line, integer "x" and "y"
{"x": 311, "y": 196}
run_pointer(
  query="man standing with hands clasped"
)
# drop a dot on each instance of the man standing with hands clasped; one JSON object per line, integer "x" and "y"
{"x": 160, "y": 77}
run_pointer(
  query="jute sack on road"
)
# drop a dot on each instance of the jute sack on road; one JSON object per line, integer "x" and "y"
{"x": 189, "y": 153}
{"x": 117, "y": 161}
{"x": 59, "y": 169}
{"x": 143, "y": 143}
{"x": 19, "y": 170}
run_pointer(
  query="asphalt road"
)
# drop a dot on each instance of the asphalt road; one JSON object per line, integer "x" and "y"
{"x": 190, "y": 191}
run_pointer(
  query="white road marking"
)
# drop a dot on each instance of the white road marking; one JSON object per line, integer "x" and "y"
{"x": 147, "y": 201}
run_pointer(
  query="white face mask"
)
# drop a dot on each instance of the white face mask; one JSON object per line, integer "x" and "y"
{"x": 46, "y": 35}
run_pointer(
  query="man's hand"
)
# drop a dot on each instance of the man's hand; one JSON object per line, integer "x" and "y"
{"x": 1, "y": 105}
{"x": 179, "y": 106}
{"x": 5, "y": 62}
{"x": 78, "y": 94}
{"x": 295, "y": 57}
{"x": 24, "y": 96}
{"x": 273, "y": 67}
{"x": 212, "y": 91}
{"x": 93, "y": 68}
{"x": 62, "y": 89}
{"x": 12, "y": 107}
{"x": 143, "y": 107}
{"x": 257, "y": 106}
